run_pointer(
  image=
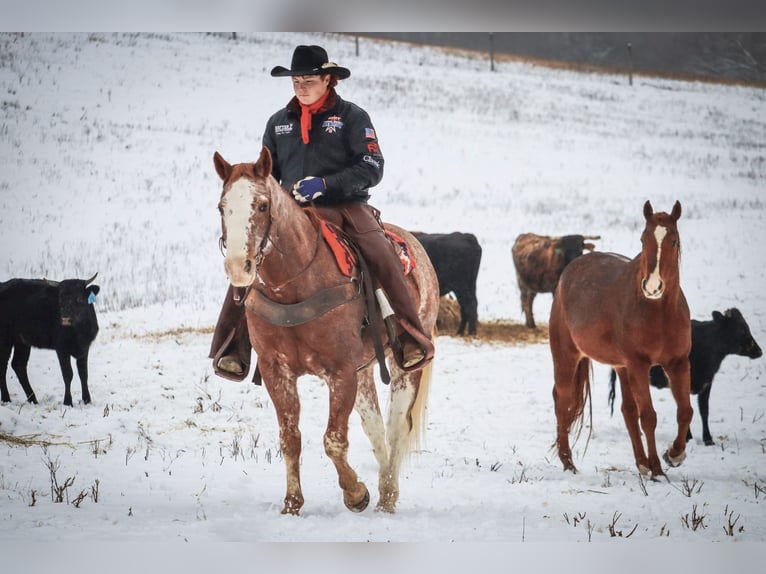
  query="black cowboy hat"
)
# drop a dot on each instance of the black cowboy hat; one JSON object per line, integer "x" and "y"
{"x": 309, "y": 61}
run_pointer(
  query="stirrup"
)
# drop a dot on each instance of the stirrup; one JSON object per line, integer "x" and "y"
{"x": 231, "y": 364}
{"x": 219, "y": 356}
{"x": 412, "y": 355}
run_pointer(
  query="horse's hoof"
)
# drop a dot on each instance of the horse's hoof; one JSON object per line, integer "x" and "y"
{"x": 293, "y": 505}
{"x": 361, "y": 505}
{"x": 385, "y": 508}
{"x": 643, "y": 470}
{"x": 674, "y": 460}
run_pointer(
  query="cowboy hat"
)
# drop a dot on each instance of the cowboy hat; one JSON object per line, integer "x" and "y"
{"x": 310, "y": 61}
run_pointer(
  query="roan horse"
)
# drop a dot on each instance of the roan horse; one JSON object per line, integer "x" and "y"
{"x": 630, "y": 314}
{"x": 274, "y": 247}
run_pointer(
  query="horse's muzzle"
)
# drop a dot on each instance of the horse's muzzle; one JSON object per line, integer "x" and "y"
{"x": 655, "y": 293}
{"x": 241, "y": 272}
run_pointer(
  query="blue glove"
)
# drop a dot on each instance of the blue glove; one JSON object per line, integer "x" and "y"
{"x": 308, "y": 189}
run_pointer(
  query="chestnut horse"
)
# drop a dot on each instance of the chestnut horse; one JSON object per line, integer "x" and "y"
{"x": 630, "y": 314}
{"x": 274, "y": 247}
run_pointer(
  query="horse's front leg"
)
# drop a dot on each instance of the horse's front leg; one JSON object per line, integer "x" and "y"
{"x": 679, "y": 374}
{"x": 283, "y": 391}
{"x": 638, "y": 380}
{"x": 631, "y": 417}
{"x": 343, "y": 387}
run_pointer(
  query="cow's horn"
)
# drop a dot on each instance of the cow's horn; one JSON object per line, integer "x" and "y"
{"x": 89, "y": 281}
{"x": 591, "y": 237}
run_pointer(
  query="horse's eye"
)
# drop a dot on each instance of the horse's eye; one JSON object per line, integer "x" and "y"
{"x": 674, "y": 243}
{"x": 220, "y": 210}
{"x": 263, "y": 207}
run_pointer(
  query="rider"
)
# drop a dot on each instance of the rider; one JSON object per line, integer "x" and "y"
{"x": 325, "y": 151}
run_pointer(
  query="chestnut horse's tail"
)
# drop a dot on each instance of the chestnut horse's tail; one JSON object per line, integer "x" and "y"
{"x": 419, "y": 408}
{"x": 581, "y": 381}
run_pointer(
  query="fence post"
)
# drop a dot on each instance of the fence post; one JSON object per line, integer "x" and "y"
{"x": 356, "y": 40}
{"x": 630, "y": 64}
{"x": 491, "y": 52}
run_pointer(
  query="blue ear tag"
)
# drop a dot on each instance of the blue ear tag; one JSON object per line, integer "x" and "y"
{"x": 91, "y": 298}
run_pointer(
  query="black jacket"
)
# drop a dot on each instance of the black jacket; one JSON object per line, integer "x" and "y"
{"x": 343, "y": 149}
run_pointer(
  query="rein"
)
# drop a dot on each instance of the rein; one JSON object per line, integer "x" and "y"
{"x": 259, "y": 259}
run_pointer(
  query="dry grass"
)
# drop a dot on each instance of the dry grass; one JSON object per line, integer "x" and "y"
{"x": 491, "y": 332}
{"x": 30, "y": 440}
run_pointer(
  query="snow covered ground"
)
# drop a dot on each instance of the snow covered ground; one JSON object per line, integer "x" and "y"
{"x": 106, "y": 145}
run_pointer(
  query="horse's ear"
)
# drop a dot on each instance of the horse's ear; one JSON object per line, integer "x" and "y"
{"x": 222, "y": 167}
{"x": 263, "y": 165}
{"x": 676, "y": 213}
{"x": 648, "y": 211}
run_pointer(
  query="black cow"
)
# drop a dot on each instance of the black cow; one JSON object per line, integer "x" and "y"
{"x": 539, "y": 261}
{"x": 727, "y": 334}
{"x": 47, "y": 315}
{"x": 456, "y": 257}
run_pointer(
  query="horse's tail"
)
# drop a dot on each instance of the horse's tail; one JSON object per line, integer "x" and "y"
{"x": 582, "y": 383}
{"x": 612, "y": 392}
{"x": 419, "y": 408}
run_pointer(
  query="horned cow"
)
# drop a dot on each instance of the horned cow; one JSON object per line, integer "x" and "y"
{"x": 539, "y": 261}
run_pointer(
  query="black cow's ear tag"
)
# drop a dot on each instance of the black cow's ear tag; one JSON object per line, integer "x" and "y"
{"x": 91, "y": 298}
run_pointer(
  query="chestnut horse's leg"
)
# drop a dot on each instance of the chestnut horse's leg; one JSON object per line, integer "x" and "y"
{"x": 343, "y": 390}
{"x": 566, "y": 392}
{"x": 638, "y": 380}
{"x": 630, "y": 415}
{"x": 679, "y": 375}
{"x": 404, "y": 390}
{"x": 368, "y": 407}
{"x": 283, "y": 391}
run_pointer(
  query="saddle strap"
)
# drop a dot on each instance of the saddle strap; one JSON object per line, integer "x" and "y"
{"x": 290, "y": 315}
{"x": 373, "y": 313}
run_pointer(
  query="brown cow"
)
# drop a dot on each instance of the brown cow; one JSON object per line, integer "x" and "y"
{"x": 539, "y": 261}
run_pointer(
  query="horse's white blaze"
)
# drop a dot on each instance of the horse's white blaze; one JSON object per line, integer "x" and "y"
{"x": 652, "y": 286}
{"x": 237, "y": 206}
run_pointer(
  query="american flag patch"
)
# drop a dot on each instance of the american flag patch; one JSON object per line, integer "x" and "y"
{"x": 369, "y": 133}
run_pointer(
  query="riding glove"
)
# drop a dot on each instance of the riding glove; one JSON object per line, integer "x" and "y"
{"x": 308, "y": 189}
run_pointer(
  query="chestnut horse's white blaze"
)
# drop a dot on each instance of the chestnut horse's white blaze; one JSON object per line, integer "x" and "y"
{"x": 652, "y": 286}
{"x": 274, "y": 247}
{"x": 236, "y": 209}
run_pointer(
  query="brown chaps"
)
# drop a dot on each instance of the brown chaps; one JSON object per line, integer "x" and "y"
{"x": 361, "y": 222}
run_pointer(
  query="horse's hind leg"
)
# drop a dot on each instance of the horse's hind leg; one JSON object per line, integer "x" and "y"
{"x": 566, "y": 394}
{"x": 368, "y": 407}
{"x": 406, "y": 419}
{"x": 343, "y": 390}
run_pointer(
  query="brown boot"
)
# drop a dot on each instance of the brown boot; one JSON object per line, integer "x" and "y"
{"x": 230, "y": 348}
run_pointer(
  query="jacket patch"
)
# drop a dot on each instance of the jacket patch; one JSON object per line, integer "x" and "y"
{"x": 332, "y": 124}
{"x": 369, "y": 133}
{"x": 371, "y": 160}
{"x": 283, "y": 129}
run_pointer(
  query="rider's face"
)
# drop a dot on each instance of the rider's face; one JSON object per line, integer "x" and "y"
{"x": 308, "y": 89}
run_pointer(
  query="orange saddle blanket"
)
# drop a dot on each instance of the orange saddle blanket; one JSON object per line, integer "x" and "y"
{"x": 345, "y": 257}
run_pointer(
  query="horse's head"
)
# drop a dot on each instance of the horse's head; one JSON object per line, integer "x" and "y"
{"x": 661, "y": 246}
{"x": 245, "y": 208}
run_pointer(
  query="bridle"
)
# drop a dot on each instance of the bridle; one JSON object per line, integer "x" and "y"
{"x": 260, "y": 256}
